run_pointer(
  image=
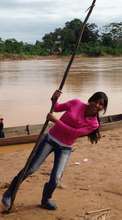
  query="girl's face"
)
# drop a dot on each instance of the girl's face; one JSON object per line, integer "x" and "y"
{"x": 96, "y": 106}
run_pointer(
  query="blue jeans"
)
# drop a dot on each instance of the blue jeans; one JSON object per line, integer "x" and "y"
{"x": 61, "y": 156}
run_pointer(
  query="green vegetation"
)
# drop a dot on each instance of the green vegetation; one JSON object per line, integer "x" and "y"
{"x": 62, "y": 42}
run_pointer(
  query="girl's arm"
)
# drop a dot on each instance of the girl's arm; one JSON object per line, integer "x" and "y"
{"x": 70, "y": 130}
{"x": 59, "y": 107}
{"x": 77, "y": 131}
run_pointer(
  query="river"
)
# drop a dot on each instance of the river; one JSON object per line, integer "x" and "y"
{"x": 27, "y": 85}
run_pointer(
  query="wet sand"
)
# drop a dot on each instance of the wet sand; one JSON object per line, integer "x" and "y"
{"x": 88, "y": 185}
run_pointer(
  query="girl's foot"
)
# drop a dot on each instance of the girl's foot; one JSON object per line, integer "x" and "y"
{"x": 50, "y": 205}
{"x": 6, "y": 201}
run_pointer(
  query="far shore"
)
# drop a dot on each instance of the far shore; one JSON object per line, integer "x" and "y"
{"x": 15, "y": 57}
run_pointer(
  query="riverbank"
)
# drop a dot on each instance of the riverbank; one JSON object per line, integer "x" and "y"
{"x": 92, "y": 180}
{"x": 12, "y": 57}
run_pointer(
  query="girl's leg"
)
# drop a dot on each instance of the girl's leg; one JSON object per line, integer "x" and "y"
{"x": 60, "y": 160}
{"x": 43, "y": 151}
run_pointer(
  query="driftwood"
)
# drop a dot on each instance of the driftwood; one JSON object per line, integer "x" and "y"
{"x": 113, "y": 192}
{"x": 101, "y": 214}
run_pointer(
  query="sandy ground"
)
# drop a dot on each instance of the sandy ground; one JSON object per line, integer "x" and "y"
{"x": 88, "y": 185}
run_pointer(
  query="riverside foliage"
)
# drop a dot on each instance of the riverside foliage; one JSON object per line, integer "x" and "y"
{"x": 95, "y": 41}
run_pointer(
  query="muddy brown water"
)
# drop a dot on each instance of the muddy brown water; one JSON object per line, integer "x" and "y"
{"x": 26, "y": 86}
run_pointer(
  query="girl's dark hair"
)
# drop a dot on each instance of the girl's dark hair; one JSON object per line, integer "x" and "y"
{"x": 95, "y": 136}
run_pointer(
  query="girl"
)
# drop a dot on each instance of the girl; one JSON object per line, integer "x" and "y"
{"x": 79, "y": 119}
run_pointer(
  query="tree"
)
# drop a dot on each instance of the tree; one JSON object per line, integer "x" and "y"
{"x": 65, "y": 39}
{"x": 12, "y": 46}
{"x": 112, "y": 34}
{"x": 1, "y": 45}
{"x": 106, "y": 39}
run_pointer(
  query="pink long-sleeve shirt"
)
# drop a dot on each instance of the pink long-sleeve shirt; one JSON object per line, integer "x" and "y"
{"x": 73, "y": 123}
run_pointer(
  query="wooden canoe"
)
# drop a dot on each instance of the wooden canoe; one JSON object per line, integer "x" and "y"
{"x": 29, "y": 133}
